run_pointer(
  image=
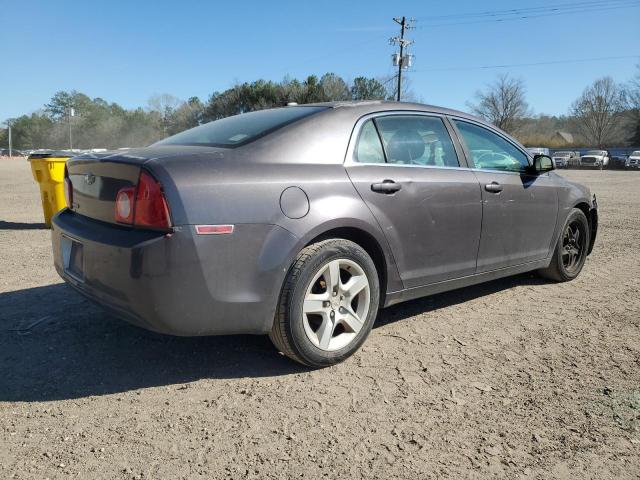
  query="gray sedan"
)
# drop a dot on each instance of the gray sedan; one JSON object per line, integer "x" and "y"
{"x": 301, "y": 222}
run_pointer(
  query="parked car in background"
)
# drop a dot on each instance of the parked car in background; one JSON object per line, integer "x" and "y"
{"x": 595, "y": 159}
{"x": 619, "y": 162}
{"x": 14, "y": 153}
{"x": 538, "y": 151}
{"x": 634, "y": 160}
{"x": 565, "y": 159}
{"x": 301, "y": 222}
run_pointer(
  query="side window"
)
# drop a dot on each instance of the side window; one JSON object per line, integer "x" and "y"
{"x": 490, "y": 151}
{"x": 416, "y": 140}
{"x": 368, "y": 149}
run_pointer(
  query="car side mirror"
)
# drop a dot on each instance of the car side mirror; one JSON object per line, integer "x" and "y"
{"x": 542, "y": 163}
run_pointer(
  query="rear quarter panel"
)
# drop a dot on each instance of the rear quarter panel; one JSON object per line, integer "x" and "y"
{"x": 231, "y": 191}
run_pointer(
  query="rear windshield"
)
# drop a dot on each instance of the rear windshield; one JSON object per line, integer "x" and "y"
{"x": 240, "y": 129}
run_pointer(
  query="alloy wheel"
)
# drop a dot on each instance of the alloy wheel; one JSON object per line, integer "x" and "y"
{"x": 336, "y": 304}
{"x": 573, "y": 246}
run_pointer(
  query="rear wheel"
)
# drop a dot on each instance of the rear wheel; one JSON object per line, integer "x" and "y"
{"x": 328, "y": 303}
{"x": 571, "y": 249}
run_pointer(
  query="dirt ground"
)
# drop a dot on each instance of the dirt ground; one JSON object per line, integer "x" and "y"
{"x": 517, "y": 378}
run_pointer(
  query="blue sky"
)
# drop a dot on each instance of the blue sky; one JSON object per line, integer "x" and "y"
{"x": 126, "y": 51}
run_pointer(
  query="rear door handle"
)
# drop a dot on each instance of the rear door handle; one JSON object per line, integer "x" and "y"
{"x": 493, "y": 187}
{"x": 387, "y": 186}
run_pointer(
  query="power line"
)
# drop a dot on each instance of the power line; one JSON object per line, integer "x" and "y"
{"x": 535, "y": 15}
{"x": 527, "y": 13}
{"x": 526, "y": 10}
{"x": 534, "y": 64}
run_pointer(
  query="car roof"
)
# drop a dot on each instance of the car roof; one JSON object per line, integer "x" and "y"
{"x": 368, "y": 106}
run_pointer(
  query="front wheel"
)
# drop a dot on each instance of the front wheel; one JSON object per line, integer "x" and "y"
{"x": 571, "y": 250}
{"x": 328, "y": 303}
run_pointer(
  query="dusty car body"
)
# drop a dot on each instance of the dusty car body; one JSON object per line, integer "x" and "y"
{"x": 419, "y": 199}
{"x": 595, "y": 159}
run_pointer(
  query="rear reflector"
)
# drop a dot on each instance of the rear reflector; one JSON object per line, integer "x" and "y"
{"x": 214, "y": 229}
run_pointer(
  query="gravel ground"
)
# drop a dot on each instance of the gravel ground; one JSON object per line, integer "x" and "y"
{"x": 517, "y": 378}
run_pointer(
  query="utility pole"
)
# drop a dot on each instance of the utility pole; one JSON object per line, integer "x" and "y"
{"x": 401, "y": 60}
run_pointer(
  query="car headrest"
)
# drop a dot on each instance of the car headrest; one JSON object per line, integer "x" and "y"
{"x": 405, "y": 145}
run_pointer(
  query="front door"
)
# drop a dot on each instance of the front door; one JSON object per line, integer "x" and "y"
{"x": 519, "y": 208}
{"x": 407, "y": 170}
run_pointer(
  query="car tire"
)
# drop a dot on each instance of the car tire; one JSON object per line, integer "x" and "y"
{"x": 571, "y": 251}
{"x": 293, "y": 331}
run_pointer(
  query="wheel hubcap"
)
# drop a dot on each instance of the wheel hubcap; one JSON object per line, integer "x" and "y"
{"x": 336, "y": 304}
{"x": 572, "y": 246}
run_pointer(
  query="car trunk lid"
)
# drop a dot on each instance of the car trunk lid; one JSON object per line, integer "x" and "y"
{"x": 97, "y": 177}
{"x": 96, "y": 185}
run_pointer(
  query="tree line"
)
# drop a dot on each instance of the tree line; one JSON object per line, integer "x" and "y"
{"x": 606, "y": 113}
{"x": 96, "y": 123}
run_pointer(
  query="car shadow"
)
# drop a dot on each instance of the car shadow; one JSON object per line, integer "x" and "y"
{"x": 4, "y": 225}
{"x": 419, "y": 306}
{"x": 55, "y": 345}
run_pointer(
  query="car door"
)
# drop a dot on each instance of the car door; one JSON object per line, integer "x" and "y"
{"x": 407, "y": 169}
{"x": 519, "y": 207}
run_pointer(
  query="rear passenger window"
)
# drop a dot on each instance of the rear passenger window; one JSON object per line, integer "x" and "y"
{"x": 416, "y": 140}
{"x": 368, "y": 149}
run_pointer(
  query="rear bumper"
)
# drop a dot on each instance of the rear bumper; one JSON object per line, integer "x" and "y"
{"x": 180, "y": 283}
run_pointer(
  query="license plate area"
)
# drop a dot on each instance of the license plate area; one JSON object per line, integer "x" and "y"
{"x": 73, "y": 258}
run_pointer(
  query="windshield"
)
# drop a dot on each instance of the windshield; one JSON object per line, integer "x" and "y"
{"x": 597, "y": 153}
{"x": 240, "y": 129}
{"x": 562, "y": 154}
{"x": 636, "y": 153}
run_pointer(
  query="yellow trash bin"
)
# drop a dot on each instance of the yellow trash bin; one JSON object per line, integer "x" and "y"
{"x": 48, "y": 171}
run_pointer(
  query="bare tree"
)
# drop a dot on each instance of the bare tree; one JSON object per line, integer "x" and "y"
{"x": 163, "y": 105}
{"x": 632, "y": 97}
{"x": 503, "y": 103}
{"x": 391, "y": 85}
{"x": 597, "y": 111}
{"x": 632, "y": 90}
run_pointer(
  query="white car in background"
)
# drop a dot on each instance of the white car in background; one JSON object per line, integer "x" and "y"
{"x": 566, "y": 159}
{"x": 634, "y": 160}
{"x": 538, "y": 151}
{"x": 595, "y": 159}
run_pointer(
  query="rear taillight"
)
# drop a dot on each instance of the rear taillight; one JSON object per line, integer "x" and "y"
{"x": 68, "y": 188}
{"x": 151, "y": 207}
{"x": 143, "y": 205}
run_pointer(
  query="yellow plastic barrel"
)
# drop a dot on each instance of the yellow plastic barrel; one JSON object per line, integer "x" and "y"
{"x": 48, "y": 171}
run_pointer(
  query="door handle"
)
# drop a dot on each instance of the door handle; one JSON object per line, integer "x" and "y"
{"x": 493, "y": 187}
{"x": 387, "y": 187}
